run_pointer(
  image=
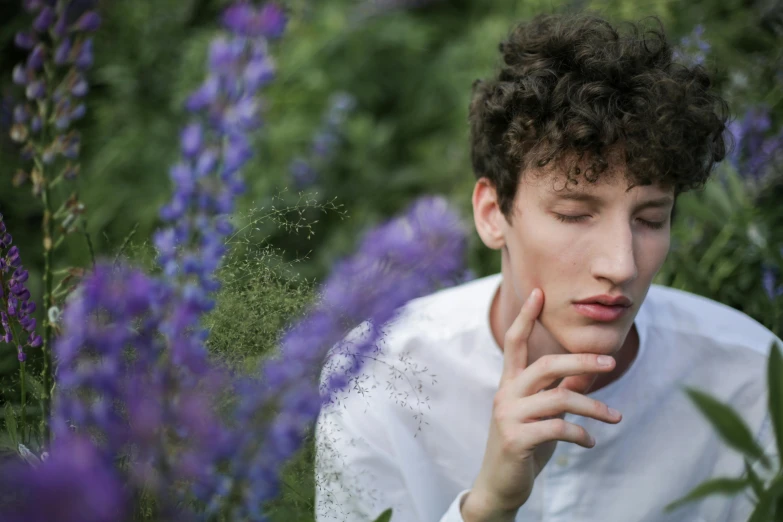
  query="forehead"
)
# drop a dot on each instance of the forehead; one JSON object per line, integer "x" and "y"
{"x": 552, "y": 183}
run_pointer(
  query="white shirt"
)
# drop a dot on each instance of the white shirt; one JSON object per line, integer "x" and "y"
{"x": 411, "y": 431}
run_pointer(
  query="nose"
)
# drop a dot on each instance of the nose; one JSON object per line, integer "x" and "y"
{"x": 616, "y": 256}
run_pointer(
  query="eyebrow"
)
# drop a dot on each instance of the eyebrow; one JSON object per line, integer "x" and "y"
{"x": 661, "y": 202}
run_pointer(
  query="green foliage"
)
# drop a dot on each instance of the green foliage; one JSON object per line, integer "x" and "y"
{"x": 734, "y": 431}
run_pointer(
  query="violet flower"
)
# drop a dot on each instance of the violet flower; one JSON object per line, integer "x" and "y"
{"x": 117, "y": 384}
{"x": 73, "y": 485}
{"x": 54, "y": 82}
{"x": 16, "y": 306}
{"x": 304, "y": 170}
{"x": 756, "y": 152}
{"x": 769, "y": 280}
{"x": 215, "y": 146}
{"x": 693, "y": 49}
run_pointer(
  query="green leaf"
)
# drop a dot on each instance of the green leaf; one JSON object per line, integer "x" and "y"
{"x": 385, "y": 516}
{"x": 720, "y": 486}
{"x": 729, "y": 425}
{"x": 763, "y": 511}
{"x": 754, "y": 480}
{"x": 774, "y": 377}
{"x": 10, "y": 424}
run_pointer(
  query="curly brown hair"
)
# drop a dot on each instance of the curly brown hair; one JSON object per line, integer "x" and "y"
{"x": 572, "y": 87}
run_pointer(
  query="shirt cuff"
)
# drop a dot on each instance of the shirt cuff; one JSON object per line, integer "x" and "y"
{"x": 454, "y": 513}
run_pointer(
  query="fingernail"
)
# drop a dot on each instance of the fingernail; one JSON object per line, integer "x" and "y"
{"x": 613, "y": 412}
{"x": 604, "y": 360}
{"x": 532, "y": 295}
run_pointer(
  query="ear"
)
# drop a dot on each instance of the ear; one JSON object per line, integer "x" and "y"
{"x": 487, "y": 215}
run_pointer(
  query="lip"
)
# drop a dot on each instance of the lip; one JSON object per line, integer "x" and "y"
{"x": 607, "y": 300}
{"x": 600, "y": 312}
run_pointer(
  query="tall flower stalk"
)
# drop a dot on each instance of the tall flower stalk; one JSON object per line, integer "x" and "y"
{"x": 54, "y": 82}
{"x": 18, "y": 325}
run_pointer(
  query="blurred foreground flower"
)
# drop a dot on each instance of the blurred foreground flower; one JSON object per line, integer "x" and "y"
{"x": 74, "y": 485}
{"x": 406, "y": 258}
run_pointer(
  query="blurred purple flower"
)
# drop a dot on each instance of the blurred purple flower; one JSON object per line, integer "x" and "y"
{"x": 303, "y": 169}
{"x": 769, "y": 280}
{"x": 405, "y": 258}
{"x": 59, "y": 37}
{"x": 692, "y": 48}
{"x": 244, "y": 19}
{"x": 73, "y": 485}
{"x": 755, "y": 151}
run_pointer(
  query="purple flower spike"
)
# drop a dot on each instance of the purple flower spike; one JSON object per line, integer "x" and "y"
{"x": 14, "y": 296}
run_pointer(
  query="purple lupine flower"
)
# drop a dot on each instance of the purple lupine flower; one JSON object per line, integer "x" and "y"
{"x": 215, "y": 146}
{"x": 755, "y": 151}
{"x": 693, "y": 48}
{"x": 59, "y": 36}
{"x": 15, "y": 304}
{"x": 769, "y": 280}
{"x": 116, "y": 384}
{"x": 399, "y": 261}
{"x": 73, "y": 485}
{"x": 303, "y": 170}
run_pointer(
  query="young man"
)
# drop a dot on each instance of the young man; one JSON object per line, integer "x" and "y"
{"x": 580, "y": 147}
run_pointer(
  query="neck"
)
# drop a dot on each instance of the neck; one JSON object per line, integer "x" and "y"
{"x": 505, "y": 308}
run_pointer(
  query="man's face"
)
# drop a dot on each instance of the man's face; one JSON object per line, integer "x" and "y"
{"x": 587, "y": 240}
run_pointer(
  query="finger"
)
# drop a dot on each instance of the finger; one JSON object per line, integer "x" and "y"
{"x": 515, "y": 340}
{"x": 561, "y": 400}
{"x": 549, "y": 368}
{"x": 536, "y": 433}
{"x": 579, "y": 383}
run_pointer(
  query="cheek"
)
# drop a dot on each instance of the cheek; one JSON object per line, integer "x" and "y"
{"x": 653, "y": 253}
{"x": 543, "y": 259}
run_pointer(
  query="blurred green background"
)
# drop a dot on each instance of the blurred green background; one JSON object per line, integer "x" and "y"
{"x": 369, "y": 110}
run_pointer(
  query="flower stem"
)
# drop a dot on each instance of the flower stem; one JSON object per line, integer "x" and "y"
{"x": 46, "y": 373}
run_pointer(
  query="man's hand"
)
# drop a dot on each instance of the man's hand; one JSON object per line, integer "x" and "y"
{"x": 526, "y": 424}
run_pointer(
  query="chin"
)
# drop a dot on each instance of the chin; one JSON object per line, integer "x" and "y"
{"x": 605, "y": 339}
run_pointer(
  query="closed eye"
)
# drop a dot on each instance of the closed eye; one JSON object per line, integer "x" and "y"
{"x": 655, "y": 225}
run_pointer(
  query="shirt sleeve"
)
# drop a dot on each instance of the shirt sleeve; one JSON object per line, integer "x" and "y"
{"x": 358, "y": 476}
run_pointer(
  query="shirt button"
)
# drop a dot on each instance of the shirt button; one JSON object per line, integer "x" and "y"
{"x": 562, "y": 460}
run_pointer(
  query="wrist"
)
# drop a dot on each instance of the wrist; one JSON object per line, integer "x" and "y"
{"x": 476, "y": 507}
